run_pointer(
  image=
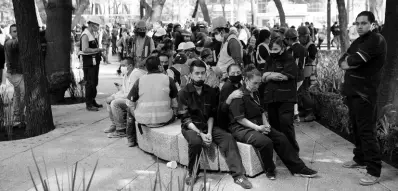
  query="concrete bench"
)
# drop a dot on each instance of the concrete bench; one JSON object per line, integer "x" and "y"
{"x": 169, "y": 144}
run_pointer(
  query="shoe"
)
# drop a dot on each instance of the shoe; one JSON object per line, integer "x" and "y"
{"x": 92, "y": 108}
{"x": 353, "y": 164}
{"x": 190, "y": 180}
{"x": 368, "y": 180}
{"x": 97, "y": 105}
{"x": 110, "y": 129}
{"x": 131, "y": 143}
{"x": 271, "y": 174}
{"x": 296, "y": 118}
{"x": 243, "y": 181}
{"x": 310, "y": 117}
{"x": 117, "y": 134}
{"x": 306, "y": 172}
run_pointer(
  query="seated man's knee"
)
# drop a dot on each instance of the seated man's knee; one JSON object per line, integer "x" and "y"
{"x": 110, "y": 99}
{"x": 264, "y": 142}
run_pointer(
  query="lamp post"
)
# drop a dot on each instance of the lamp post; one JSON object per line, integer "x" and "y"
{"x": 328, "y": 25}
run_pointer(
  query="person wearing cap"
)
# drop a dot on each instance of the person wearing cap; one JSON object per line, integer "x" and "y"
{"x": 140, "y": 46}
{"x": 191, "y": 52}
{"x": 186, "y": 35}
{"x": 198, "y": 38}
{"x": 308, "y": 73}
{"x": 299, "y": 53}
{"x": 153, "y": 98}
{"x": 181, "y": 47}
{"x": 169, "y": 31}
{"x": 106, "y": 41}
{"x": 213, "y": 74}
{"x": 91, "y": 55}
{"x": 231, "y": 50}
{"x": 159, "y": 36}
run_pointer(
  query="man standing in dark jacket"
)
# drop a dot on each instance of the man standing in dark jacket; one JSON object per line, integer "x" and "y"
{"x": 363, "y": 62}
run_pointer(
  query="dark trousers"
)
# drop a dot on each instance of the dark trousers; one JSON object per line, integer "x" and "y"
{"x": 305, "y": 101}
{"x": 131, "y": 130}
{"x": 363, "y": 118}
{"x": 113, "y": 41}
{"x": 280, "y": 116}
{"x": 226, "y": 143}
{"x": 91, "y": 79}
{"x": 266, "y": 144}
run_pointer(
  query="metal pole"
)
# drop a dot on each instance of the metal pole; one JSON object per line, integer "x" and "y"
{"x": 328, "y": 24}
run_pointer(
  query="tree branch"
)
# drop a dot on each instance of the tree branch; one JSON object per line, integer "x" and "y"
{"x": 78, "y": 15}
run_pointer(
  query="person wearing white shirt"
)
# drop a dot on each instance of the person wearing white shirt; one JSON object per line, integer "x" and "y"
{"x": 117, "y": 106}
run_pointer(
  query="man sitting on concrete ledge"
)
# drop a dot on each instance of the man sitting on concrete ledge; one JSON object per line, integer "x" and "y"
{"x": 198, "y": 105}
{"x": 153, "y": 96}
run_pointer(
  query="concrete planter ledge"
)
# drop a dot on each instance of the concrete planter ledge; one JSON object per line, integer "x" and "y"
{"x": 169, "y": 144}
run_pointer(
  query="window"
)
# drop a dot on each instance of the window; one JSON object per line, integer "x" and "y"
{"x": 262, "y": 6}
{"x": 316, "y": 7}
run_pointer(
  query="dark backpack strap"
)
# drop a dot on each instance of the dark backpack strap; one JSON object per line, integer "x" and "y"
{"x": 177, "y": 75}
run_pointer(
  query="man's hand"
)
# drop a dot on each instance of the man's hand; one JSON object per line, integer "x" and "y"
{"x": 205, "y": 138}
{"x": 263, "y": 129}
{"x": 234, "y": 95}
{"x": 278, "y": 77}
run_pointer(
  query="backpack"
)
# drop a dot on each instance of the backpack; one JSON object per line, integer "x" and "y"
{"x": 181, "y": 74}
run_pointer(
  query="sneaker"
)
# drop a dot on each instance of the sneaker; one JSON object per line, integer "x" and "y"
{"x": 243, "y": 181}
{"x": 310, "y": 117}
{"x": 110, "y": 129}
{"x": 95, "y": 104}
{"x": 117, "y": 134}
{"x": 92, "y": 108}
{"x": 353, "y": 164}
{"x": 271, "y": 174}
{"x": 296, "y": 118}
{"x": 306, "y": 172}
{"x": 131, "y": 143}
{"x": 368, "y": 180}
{"x": 190, "y": 180}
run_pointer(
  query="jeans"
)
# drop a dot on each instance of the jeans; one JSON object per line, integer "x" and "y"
{"x": 226, "y": 143}
{"x": 266, "y": 144}
{"x": 91, "y": 78}
{"x": 17, "y": 81}
{"x": 363, "y": 118}
{"x": 119, "y": 111}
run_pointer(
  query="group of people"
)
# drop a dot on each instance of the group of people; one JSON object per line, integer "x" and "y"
{"x": 235, "y": 84}
{"x": 226, "y": 83}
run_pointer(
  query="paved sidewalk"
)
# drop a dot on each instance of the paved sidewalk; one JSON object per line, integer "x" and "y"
{"x": 79, "y": 138}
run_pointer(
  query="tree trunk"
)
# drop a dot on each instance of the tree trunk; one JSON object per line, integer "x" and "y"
{"x": 223, "y": 8}
{"x": 58, "y": 38}
{"x": 282, "y": 17}
{"x": 388, "y": 90}
{"x": 254, "y": 12}
{"x": 328, "y": 24}
{"x": 157, "y": 7}
{"x": 148, "y": 10}
{"x": 195, "y": 10}
{"x": 42, "y": 11}
{"x": 83, "y": 4}
{"x": 205, "y": 12}
{"x": 39, "y": 117}
{"x": 344, "y": 39}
